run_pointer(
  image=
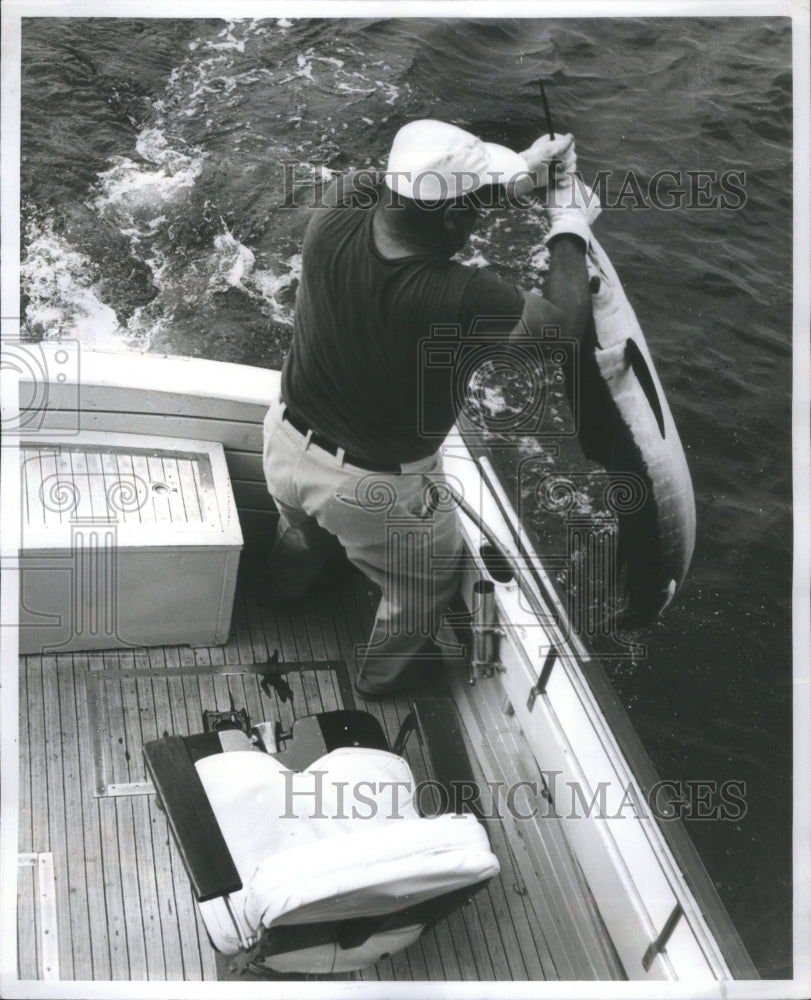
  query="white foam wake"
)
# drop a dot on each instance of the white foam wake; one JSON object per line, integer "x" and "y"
{"x": 63, "y": 297}
{"x": 233, "y": 265}
{"x": 128, "y": 189}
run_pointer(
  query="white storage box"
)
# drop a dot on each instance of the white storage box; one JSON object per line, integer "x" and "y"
{"x": 126, "y": 541}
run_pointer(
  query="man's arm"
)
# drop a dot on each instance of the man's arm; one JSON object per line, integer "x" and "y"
{"x": 566, "y": 302}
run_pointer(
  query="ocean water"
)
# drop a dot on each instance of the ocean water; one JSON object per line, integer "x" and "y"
{"x": 165, "y": 170}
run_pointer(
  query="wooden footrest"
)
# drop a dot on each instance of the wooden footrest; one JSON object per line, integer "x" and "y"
{"x": 436, "y": 722}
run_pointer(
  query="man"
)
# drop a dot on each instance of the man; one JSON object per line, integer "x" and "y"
{"x": 346, "y": 449}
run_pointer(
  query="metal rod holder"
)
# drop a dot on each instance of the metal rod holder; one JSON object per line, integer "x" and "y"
{"x": 484, "y": 659}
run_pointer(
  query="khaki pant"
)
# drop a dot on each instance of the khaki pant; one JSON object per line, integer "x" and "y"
{"x": 390, "y": 528}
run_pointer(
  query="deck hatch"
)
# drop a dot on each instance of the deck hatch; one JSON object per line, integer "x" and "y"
{"x": 116, "y": 756}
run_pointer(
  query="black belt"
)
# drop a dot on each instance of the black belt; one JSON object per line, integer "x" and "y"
{"x": 322, "y": 442}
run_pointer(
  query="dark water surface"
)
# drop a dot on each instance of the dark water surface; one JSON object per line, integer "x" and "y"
{"x": 154, "y": 217}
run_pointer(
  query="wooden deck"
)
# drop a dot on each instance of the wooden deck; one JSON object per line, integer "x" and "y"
{"x": 102, "y": 891}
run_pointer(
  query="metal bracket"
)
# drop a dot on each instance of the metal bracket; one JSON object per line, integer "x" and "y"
{"x": 657, "y": 946}
{"x": 43, "y": 865}
{"x": 543, "y": 678}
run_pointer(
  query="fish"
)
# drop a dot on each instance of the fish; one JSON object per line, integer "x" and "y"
{"x": 626, "y": 426}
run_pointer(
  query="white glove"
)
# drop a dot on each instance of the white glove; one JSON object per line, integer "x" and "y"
{"x": 545, "y": 151}
{"x": 571, "y": 208}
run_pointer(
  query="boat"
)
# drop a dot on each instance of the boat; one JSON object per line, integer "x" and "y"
{"x": 598, "y": 878}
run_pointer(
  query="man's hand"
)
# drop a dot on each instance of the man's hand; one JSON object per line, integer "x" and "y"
{"x": 547, "y": 151}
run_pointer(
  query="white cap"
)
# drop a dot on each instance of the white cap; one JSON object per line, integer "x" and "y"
{"x": 433, "y": 161}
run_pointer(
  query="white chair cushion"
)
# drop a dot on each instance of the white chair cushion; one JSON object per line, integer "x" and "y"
{"x": 340, "y": 840}
{"x": 379, "y": 869}
{"x": 262, "y": 808}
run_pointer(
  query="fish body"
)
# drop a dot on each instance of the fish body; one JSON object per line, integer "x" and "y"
{"x": 625, "y": 424}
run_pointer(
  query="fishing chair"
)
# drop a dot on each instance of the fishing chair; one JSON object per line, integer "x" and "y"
{"x": 325, "y": 856}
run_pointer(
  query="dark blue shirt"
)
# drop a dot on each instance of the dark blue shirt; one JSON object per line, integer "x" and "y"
{"x": 379, "y": 347}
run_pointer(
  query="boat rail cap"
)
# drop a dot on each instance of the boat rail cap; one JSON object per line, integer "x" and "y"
{"x": 71, "y": 361}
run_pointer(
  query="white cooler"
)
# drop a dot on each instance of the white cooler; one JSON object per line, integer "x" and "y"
{"x": 126, "y": 541}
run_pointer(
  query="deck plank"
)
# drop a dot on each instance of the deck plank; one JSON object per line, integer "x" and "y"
{"x": 108, "y": 863}
{"x": 564, "y": 890}
{"x": 135, "y": 842}
{"x": 288, "y": 653}
{"x": 205, "y": 683}
{"x": 514, "y": 929}
{"x": 132, "y": 919}
{"x": 138, "y": 873}
{"x": 178, "y": 895}
{"x": 25, "y": 818}
{"x": 40, "y": 835}
{"x": 555, "y": 935}
{"x": 479, "y": 940}
{"x": 417, "y": 966}
{"x": 114, "y": 890}
{"x": 28, "y": 959}
{"x": 148, "y": 876}
{"x": 96, "y": 895}
{"x": 56, "y": 811}
{"x": 301, "y": 651}
{"x": 172, "y": 933}
{"x": 325, "y": 681}
{"x": 256, "y": 631}
{"x": 323, "y": 638}
{"x": 76, "y": 874}
{"x": 176, "y": 691}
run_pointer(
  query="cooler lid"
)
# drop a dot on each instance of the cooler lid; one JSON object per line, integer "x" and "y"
{"x": 147, "y": 486}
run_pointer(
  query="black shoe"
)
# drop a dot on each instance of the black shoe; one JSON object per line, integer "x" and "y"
{"x": 370, "y": 691}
